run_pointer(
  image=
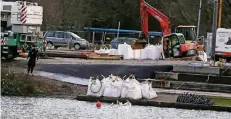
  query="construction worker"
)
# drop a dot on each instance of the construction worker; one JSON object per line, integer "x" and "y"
{"x": 33, "y": 55}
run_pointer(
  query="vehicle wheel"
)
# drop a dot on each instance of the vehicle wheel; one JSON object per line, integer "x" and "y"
{"x": 77, "y": 46}
{"x": 49, "y": 46}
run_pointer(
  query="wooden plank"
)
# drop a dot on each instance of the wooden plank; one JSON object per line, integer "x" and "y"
{"x": 103, "y": 57}
{"x": 183, "y": 85}
{"x": 198, "y": 70}
{"x": 144, "y": 102}
{"x": 166, "y": 75}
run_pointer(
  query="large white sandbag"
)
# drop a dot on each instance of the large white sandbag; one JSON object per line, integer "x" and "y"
{"x": 121, "y": 48}
{"x": 128, "y": 52}
{"x": 144, "y": 54}
{"x": 153, "y": 52}
{"x": 131, "y": 89}
{"x": 94, "y": 88}
{"x": 113, "y": 88}
{"x": 147, "y": 90}
{"x": 137, "y": 54}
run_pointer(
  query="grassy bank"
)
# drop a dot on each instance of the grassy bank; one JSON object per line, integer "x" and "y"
{"x": 20, "y": 84}
{"x": 221, "y": 101}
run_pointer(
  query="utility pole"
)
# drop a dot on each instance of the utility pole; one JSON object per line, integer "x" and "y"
{"x": 199, "y": 19}
{"x": 118, "y": 31}
{"x": 214, "y": 27}
{"x": 220, "y": 13}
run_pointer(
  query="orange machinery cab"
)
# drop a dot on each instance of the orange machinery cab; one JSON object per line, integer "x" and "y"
{"x": 174, "y": 43}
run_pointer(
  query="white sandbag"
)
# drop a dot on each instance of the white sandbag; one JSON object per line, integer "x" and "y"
{"x": 131, "y": 89}
{"x": 128, "y": 52}
{"x": 144, "y": 54}
{"x": 113, "y": 88}
{"x": 147, "y": 90}
{"x": 153, "y": 52}
{"x": 203, "y": 56}
{"x": 121, "y": 48}
{"x": 137, "y": 54}
{"x": 94, "y": 88}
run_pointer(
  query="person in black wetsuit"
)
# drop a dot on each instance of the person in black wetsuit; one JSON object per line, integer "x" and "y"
{"x": 33, "y": 55}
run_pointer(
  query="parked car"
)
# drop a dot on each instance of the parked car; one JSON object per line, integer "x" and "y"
{"x": 65, "y": 39}
{"x": 115, "y": 42}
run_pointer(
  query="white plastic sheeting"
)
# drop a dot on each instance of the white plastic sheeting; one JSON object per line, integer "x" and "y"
{"x": 107, "y": 51}
{"x": 147, "y": 90}
{"x": 131, "y": 89}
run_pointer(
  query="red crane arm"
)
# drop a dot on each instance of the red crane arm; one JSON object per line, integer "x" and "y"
{"x": 164, "y": 21}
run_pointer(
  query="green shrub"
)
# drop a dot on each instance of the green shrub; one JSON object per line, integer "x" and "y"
{"x": 17, "y": 84}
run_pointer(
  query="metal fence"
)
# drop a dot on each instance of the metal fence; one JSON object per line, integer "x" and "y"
{"x": 103, "y": 37}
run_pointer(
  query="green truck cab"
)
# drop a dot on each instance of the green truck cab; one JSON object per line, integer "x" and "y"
{"x": 18, "y": 44}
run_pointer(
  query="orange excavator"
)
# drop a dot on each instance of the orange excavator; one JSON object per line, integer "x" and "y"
{"x": 174, "y": 44}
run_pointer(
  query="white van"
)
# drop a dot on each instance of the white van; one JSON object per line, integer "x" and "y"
{"x": 223, "y": 43}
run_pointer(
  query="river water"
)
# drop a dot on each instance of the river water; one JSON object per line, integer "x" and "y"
{"x": 53, "y": 108}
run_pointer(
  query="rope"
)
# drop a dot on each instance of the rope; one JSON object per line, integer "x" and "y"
{"x": 93, "y": 83}
{"x": 181, "y": 85}
{"x": 208, "y": 78}
{"x": 226, "y": 69}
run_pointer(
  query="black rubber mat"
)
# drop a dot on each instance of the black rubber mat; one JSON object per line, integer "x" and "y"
{"x": 85, "y": 71}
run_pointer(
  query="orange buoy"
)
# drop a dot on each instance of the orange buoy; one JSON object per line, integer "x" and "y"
{"x": 98, "y": 104}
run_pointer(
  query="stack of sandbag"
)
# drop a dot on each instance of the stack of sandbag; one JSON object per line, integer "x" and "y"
{"x": 95, "y": 87}
{"x": 112, "y": 86}
{"x": 131, "y": 89}
{"x": 147, "y": 90}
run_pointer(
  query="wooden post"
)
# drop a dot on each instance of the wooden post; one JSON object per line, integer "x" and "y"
{"x": 220, "y": 13}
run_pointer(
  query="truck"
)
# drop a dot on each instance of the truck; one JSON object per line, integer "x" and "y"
{"x": 223, "y": 44}
{"x": 20, "y": 28}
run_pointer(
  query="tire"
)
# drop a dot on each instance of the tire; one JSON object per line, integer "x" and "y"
{"x": 49, "y": 45}
{"x": 77, "y": 46}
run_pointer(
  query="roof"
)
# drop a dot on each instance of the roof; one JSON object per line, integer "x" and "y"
{"x": 120, "y": 30}
{"x": 174, "y": 34}
{"x": 186, "y": 26}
